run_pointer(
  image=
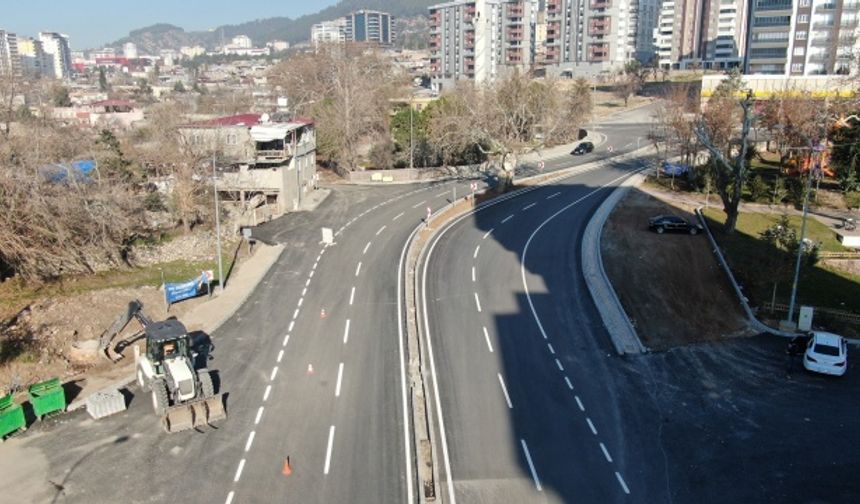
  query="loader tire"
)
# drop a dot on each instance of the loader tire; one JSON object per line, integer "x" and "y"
{"x": 159, "y": 397}
{"x": 206, "y": 386}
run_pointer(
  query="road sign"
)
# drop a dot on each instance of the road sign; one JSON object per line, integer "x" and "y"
{"x": 327, "y": 236}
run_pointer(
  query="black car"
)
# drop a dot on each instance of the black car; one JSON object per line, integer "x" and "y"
{"x": 583, "y": 148}
{"x": 663, "y": 223}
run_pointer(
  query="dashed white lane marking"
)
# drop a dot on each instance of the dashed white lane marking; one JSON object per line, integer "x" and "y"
{"x": 308, "y": 282}
{"x": 477, "y": 302}
{"x": 339, "y": 378}
{"x": 286, "y": 340}
{"x": 606, "y": 453}
{"x": 319, "y": 256}
{"x": 315, "y": 265}
{"x": 250, "y": 440}
{"x": 569, "y": 385}
{"x": 346, "y": 332}
{"x": 419, "y": 204}
{"x": 259, "y": 416}
{"x": 290, "y": 328}
{"x": 505, "y": 391}
{"x": 239, "y": 471}
{"x": 301, "y": 302}
{"x": 358, "y": 269}
{"x": 442, "y": 194}
{"x": 477, "y": 250}
{"x": 558, "y": 363}
{"x": 274, "y": 373}
{"x": 280, "y": 356}
{"x": 328, "y": 450}
{"x": 398, "y": 216}
{"x": 591, "y": 426}
{"x": 267, "y": 392}
{"x": 506, "y": 219}
{"x": 296, "y": 314}
{"x": 529, "y": 206}
{"x": 531, "y": 465}
{"x": 366, "y": 247}
{"x": 487, "y": 337}
{"x": 551, "y": 196}
{"x": 304, "y": 291}
{"x": 622, "y": 483}
{"x": 579, "y": 403}
{"x": 229, "y": 497}
{"x": 473, "y": 273}
{"x": 551, "y": 349}
{"x": 380, "y": 230}
{"x": 488, "y": 233}
{"x": 352, "y": 295}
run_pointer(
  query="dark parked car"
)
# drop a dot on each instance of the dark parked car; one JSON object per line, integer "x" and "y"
{"x": 583, "y": 148}
{"x": 663, "y": 223}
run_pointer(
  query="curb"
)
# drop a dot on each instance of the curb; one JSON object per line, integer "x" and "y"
{"x": 615, "y": 319}
{"x": 124, "y": 382}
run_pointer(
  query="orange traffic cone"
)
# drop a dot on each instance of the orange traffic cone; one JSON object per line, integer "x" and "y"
{"x": 287, "y": 469}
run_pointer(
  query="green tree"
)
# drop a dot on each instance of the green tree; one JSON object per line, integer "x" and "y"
{"x": 179, "y": 87}
{"x": 60, "y": 97}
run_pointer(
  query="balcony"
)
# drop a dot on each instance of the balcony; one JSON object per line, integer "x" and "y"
{"x": 273, "y": 155}
{"x": 599, "y": 26}
{"x": 601, "y": 4}
{"x": 821, "y": 42}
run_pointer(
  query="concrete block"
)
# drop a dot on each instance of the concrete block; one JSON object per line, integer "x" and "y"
{"x": 105, "y": 403}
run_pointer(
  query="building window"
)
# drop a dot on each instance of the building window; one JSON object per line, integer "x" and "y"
{"x": 801, "y": 35}
{"x": 803, "y": 19}
{"x": 804, "y": 3}
{"x": 799, "y": 51}
{"x": 797, "y": 68}
{"x": 232, "y": 139}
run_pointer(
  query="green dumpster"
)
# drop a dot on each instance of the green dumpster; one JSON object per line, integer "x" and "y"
{"x": 47, "y": 397}
{"x": 11, "y": 416}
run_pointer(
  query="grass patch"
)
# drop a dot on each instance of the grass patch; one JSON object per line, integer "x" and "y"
{"x": 15, "y": 294}
{"x": 748, "y": 256}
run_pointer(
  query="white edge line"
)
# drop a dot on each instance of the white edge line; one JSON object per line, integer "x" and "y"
{"x": 531, "y": 465}
{"x": 406, "y": 422}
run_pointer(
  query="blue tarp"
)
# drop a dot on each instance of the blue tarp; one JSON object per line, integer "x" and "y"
{"x": 675, "y": 169}
{"x": 174, "y": 292}
{"x": 59, "y": 173}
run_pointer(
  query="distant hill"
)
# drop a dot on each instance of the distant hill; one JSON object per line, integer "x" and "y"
{"x": 165, "y": 36}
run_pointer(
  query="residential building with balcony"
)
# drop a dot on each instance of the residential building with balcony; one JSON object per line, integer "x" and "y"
{"x": 10, "y": 61}
{"x": 709, "y": 34}
{"x": 266, "y": 164}
{"x": 481, "y": 40}
{"x": 56, "y": 45}
{"x": 329, "y": 32}
{"x": 369, "y": 26}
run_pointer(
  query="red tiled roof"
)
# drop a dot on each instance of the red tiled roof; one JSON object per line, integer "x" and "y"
{"x": 235, "y": 120}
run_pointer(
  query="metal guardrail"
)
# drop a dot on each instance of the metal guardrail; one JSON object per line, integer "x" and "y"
{"x": 837, "y": 314}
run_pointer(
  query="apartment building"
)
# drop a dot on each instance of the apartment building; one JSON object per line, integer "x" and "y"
{"x": 724, "y": 33}
{"x": 56, "y": 45}
{"x": 34, "y": 61}
{"x": 329, "y": 32}
{"x": 10, "y": 61}
{"x": 370, "y": 26}
{"x": 709, "y": 34}
{"x": 481, "y": 40}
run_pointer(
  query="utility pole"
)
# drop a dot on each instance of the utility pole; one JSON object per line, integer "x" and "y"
{"x": 217, "y": 223}
{"x": 800, "y": 245}
{"x": 411, "y": 137}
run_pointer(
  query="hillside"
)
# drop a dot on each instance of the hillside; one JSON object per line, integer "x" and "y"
{"x": 166, "y": 36}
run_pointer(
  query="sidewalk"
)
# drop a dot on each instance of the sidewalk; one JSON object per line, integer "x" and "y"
{"x": 207, "y": 317}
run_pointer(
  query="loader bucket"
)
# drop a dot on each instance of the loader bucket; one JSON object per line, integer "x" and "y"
{"x": 193, "y": 414}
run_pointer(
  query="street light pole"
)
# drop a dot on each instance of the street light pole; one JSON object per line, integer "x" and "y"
{"x": 217, "y": 227}
{"x": 800, "y": 244}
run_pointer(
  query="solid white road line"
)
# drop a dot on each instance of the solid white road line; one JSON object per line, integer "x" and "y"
{"x": 505, "y": 391}
{"x": 487, "y": 337}
{"x": 352, "y": 295}
{"x": 558, "y": 363}
{"x": 339, "y": 378}
{"x": 506, "y": 219}
{"x": 328, "y": 450}
{"x": 358, "y": 269}
{"x": 250, "y": 440}
{"x": 531, "y": 465}
{"x": 346, "y": 332}
{"x": 579, "y": 403}
{"x": 477, "y": 250}
{"x": 529, "y": 206}
{"x": 477, "y": 302}
{"x": 419, "y": 204}
{"x": 569, "y": 385}
{"x": 239, "y": 471}
{"x": 366, "y": 247}
{"x": 622, "y": 483}
{"x": 488, "y": 233}
{"x": 555, "y": 195}
{"x": 591, "y": 426}
{"x": 286, "y": 340}
{"x": 380, "y": 231}
{"x": 402, "y": 357}
{"x": 274, "y": 373}
{"x": 259, "y": 416}
{"x": 229, "y": 497}
{"x": 280, "y": 356}
{"x": 606, "y": 453}
{"x": 398, "y": 216}
{"x": 473, "y": 273}
{"x": 290, "y": 329}
{"x": 267, "y": 392}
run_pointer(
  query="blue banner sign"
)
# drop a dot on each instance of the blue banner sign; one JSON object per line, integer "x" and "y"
{"x": 174, "y": 292}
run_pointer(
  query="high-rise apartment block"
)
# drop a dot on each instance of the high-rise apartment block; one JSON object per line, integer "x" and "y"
{"x": 329, "y": 32}
{"x": 10, "y": 61}
{"x": 56, "y": 45}
{"x": 370, "y": 26}
{"x": 709, "y": 34}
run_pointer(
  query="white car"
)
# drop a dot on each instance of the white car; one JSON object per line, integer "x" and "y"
{"x": 826, "y": 353}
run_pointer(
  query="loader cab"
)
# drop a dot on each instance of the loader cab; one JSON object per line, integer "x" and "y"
{"x": 165, "y": 340}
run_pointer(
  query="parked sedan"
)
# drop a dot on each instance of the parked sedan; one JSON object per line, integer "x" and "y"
{"x": 826, "y": 353}
{"x": 583, "y": 148}
{"x": 664, "y": 223}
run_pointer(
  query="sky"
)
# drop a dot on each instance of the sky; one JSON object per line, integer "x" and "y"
{"x": 92, "y": 23}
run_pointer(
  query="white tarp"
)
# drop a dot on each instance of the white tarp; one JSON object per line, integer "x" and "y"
{"x": 269, "y": 132}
